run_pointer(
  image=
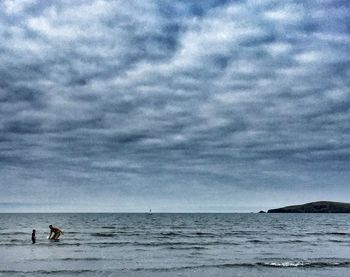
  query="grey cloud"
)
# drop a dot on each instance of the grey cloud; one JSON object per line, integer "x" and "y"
{"x": 107, "y": 94}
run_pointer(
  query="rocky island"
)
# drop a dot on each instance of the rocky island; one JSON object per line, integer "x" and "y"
{"x": 315, "y": 207}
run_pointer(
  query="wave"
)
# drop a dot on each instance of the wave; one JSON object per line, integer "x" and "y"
{"x": 103, "y": 234}
{"x": 16, "y": 240}
{"x": 170, "y": 234}
{"x": 318, "y": 264}
{"x": 47, "y": 272}
{"x": 339, "y": 241}
{"x": 282, "y": 264}
{"x": 83, "y": 259}
{"x": 183, "y": 243}
{"x": 73, "y": 259}
{"x": 328, "y": 234}
{"x": 272, "y": 264}
{"x": 292, "y": 241}
{"x": 13, "y": 233}
{"x": 186, "y": 248}
{"x": 198, "y": 234}
{"x": 165, "y": 244}
{"x": 259, "y": 241}
{"x": 108, "y": 227}
{"x": 180, "y": 244}
{"x": 189, "y": 267}
{"x": 66, "y": 244}
{"x": 205, "y": 234}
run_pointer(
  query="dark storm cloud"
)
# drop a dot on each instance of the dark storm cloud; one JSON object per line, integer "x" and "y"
{"x": 148, "y": 99}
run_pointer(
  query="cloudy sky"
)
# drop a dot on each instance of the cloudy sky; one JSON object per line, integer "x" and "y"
{"x": 173, "y": 105}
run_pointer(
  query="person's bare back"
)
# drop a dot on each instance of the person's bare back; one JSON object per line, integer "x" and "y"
{"x": 56, "y": 233}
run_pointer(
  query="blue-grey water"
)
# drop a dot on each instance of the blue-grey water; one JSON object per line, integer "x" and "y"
{"x": 176, "y": 245}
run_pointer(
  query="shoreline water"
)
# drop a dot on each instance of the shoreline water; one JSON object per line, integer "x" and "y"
{"x": 177, "y": 244}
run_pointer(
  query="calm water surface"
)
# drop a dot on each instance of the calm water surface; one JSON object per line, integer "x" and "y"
{"x": 176, "y": 245}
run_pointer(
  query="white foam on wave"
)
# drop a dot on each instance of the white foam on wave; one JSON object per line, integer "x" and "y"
{"x": 316, "y": 263}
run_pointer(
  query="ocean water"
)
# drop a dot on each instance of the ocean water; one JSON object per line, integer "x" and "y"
{"x": 176, "y": 245}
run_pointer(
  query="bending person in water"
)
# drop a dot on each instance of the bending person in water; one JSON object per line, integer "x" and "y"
{"x": 55, "y": 231}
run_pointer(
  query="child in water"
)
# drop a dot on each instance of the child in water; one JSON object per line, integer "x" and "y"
{"x": 33, "y": 236}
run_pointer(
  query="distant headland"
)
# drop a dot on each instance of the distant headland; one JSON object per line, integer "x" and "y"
{"x": 315, "y": 207}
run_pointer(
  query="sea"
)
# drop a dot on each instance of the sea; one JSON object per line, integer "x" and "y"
{"x": 171, "y": 244}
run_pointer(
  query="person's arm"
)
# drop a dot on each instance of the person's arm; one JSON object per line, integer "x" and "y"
{"x": 50, "y": 234}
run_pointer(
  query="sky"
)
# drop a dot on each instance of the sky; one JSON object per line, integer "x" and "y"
{"x": 174, "y": 106}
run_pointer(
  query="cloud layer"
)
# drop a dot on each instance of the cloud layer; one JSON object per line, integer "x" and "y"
{"x": 176, "y": 105}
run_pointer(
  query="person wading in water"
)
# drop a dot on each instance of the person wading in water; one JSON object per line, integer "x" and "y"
{"x": 56, "y": 232}
{"x": 33, "y": 237}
